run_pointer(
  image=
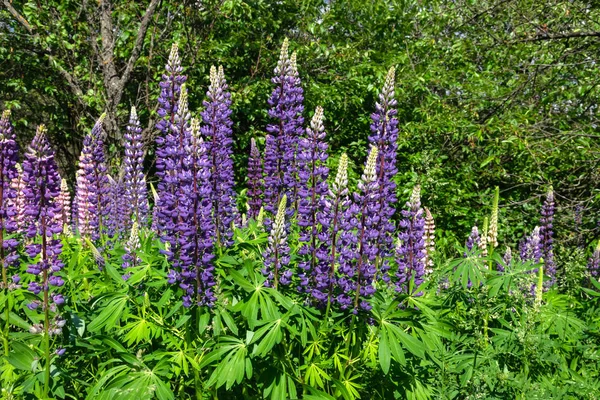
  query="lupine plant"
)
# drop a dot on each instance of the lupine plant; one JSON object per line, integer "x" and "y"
{"x": 312, "y": 304}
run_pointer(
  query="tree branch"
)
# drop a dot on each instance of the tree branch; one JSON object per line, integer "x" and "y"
{"x": 559, "y": 36}
{"x": 18, "y": 16}
{"x": 139, "y": 40}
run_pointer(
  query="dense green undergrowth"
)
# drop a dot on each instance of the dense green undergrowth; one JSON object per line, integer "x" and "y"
{"x": 471, "y": 332}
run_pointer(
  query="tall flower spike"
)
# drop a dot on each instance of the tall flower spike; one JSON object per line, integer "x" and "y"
{"x": 473, "y": 240}
{"x": 254, "y": 180}
{"x": 594, "y": 263}
{"x": 411, "y": 251}
{"x": 483, "y": 240}
{"x": 313, "y": 189}
{"x": 286, "y": 109}
{"x": 506, "y": 261}
{"x": 384, "y": 135}
{"x": 136, "y": 191}
{"x": 18, "y": 202}
{"x": 429, "y": 239}
{"x": 40, "y": 174}
{"x": 216, "y": 128}
{"x": 196, "y": 226}
{"x": 277, "y": 253}
{"x": 493, "y": 231}
{"x": 531, "y": 247}
{"x": 92, "y": 184}
{"x": 168, "y": 147}
{"x": 359, "y": 256}
{"x": 64, "y": 203}
{"x": 175, "y": 177}
{"x": 8, "y": 173}
{"x": 333, "y": 226}
{"x": 546, "y": 235}
{"x": 118, "y": 209}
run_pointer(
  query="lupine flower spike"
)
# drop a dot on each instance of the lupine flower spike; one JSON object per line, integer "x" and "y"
{"x": 196, "y": 227}
{"x": 8, "y": 174}
{"x": 18, "y": 203}
{"x": 93, "y": 187}
{"x": 483, "y": 246}
{"x": 312, "y": 174}
{"x": 493, "y": 231}
{"x": 429, "y": 239}
{"x": 384, "y": 135}
{"x": 136, "y": 191}
{"x": 473, "y": 240}
{"x": 546, "y": 236}
{"x": 358, "y": 260}
{"x": 280, "y": 148}
{"x": 277, "y": 253}
{"x": 531, "y": 248}
{"x": 42, "y": 189}
{"x": 411, "y": 250}
{"x": 506, "y": 261}
{"x": 216, "y": 128}
{"x": 254, "y": 180}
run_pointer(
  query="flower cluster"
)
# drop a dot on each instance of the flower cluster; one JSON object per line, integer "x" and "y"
{"x": 280, "y": 173}
{"x": 594, "y": 263}
{"x": 384, "y": 135}
{"x": 93, "y": 187}
{"x": 531, "y": 247}
{"x": 216, "y": 128}
{"x": 42, "y": 189}
{"x": 117, "y": 218}
{"x": 411, "y": 251}
{"x": 132, "y": 247}
{"x": 18, "y": 202}
{"x": 64, "y": 203}
{"x": 429, "y": 237}
{"x": 359, "y": 256}
{"x": 136, "y": 192}
{"x": 254, "y": 181}
{"x": 8, "y": 173}
{"x": 312, "y": 174}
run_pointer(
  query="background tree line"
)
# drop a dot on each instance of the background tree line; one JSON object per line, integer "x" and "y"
{"x": 501, "y": 92}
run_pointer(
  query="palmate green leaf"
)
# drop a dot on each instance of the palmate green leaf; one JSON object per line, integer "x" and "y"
{"x": 272, "y": 336}
{"x": 282, "y": 387}
{"x": 233, "y": 366}
{"x": 315, "y": 376}
{"x": 113, "y": 307}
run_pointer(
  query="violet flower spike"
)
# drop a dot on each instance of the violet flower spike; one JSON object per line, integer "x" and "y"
{"x": 411, "y": 251}
{"x": 384, "y": 129}
{"x": 136, "y": 191}
{"x": 593, "y": 266}
{"x": 18, "y": 202}
{"x": 359, "y": 256}
{"x": 216, "y": 128}
{"x": 196, "y": 226}
{"x": 313, "y": 188}
{"x": 254, "y": 180}
{"x": 40, "y": 174}
{"x": 8, "y": 173}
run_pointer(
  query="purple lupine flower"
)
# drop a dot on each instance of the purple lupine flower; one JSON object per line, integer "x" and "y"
{"x": 196, "y": 274}
{"x": 277, "y": 253}
{"x": 594, "y": 263}
{"x": 169, "y": 144}
{"x": 473, "y": 240}
{"x": 92, "y": 184}
{"x": 64, "y": 203}
{"x": 506, "y": 261}
{"x": 282, "y": 139}
{"x": 8, "y": 173}
{"x": 410, "y": 252}
{"x": 18, "y": 202}
{"x": 136, "y": 192}
{"x": 42, "y": 189}
{"x": 546, "y": 233}
{"x": 312, "y": 175}
{"x": 429, "y": 240}
{"x": 175, "y": 176}
{"x": 531, "y": 247}
{"x": 117, "y": 217}
{"x": 358, "y": 259}
{"x": 216, "y": 128}
{"x": 384, "y": 135}
{"x": 332, "y": 222}
{"x": 254, "y": 180}
{"x": 131, "y": 258}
